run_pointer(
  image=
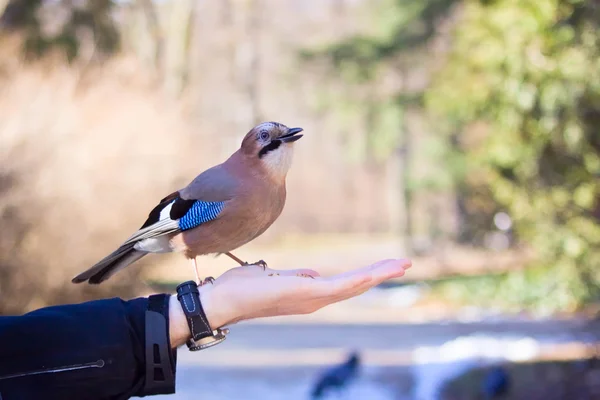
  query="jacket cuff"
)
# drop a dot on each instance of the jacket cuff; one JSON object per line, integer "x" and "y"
{"x": 160, "y": 359}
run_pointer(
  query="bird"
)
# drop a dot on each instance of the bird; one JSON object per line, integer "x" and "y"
{"x": 220, "y": 210}
{"x": 496, "y": 383}
{"x": 337, "y": 377}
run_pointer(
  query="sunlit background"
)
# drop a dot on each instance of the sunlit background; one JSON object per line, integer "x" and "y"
{"x": 463, "y": 134}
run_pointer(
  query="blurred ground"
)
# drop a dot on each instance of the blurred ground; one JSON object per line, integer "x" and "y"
{"x": 401, "y": 361}
{"x": 411, "y": 348}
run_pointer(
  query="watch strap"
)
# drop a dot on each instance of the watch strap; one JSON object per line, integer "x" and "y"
{"x": 189, "y": 297}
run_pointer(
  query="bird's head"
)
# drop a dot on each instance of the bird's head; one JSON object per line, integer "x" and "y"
{"x": 271, "y": 144}
{"x": 354, "y": 359}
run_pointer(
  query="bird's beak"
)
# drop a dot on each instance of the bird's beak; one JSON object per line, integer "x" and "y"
{"x": 291, "y": 135}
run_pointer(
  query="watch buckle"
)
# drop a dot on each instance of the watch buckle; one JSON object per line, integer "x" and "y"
{"x": 209, "y": 341}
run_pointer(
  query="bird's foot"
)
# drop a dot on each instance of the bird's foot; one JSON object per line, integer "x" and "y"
{"x": 209, "y": 279}
{"x": 260, "y": 263}
{"x": 273, "y": 274}
{"x": 306, "y": 276}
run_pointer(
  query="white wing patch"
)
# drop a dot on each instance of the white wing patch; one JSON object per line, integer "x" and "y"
{"x": 154, "y": 235}
{"x": 166, "y": 212}
{"x": 155, "y": 241}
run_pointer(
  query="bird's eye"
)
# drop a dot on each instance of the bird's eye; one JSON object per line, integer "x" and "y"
{"x": 264, "y": 135}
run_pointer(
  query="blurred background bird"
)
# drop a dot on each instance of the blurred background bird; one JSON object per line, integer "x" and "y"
{"x": 338, "y": 377}
{"x": 496, "y": 383}
{"x": 222, "y": 209}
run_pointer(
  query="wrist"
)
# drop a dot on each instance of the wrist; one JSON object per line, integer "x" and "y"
{"x": 179, "y": 331}
{"x": 217, "y": 312}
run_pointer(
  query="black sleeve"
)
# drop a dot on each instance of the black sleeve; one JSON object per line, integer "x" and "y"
{"x": 94, "y": 350}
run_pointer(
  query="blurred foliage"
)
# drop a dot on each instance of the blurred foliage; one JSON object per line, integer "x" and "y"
{"x": 402, "y": 26}
{"x": 516, "y": 105}
{"x": 530, "y": 71}
{"x": 401, "y": 30}
{"x": 375, "y": 89}
{"x": 61, "y": 25}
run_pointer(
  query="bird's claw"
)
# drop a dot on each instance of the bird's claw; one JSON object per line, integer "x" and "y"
{"x": 209, "y": 279}
{"x": 260, "y": 263}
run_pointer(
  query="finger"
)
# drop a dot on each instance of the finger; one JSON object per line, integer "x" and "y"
{"x": 383, "y": 272}
{"x": 295, "y": 272}
{"x": 246, "y": 270}
{"x": 356, "y": 281}
{"x": 258, "y": 271}
{"x": 389, "y": 269}
{"x": 291, "y": 272}
{"x": 390, "y": 266}
{"x": 343, "y": 284}
{"x": 369, "y": 268}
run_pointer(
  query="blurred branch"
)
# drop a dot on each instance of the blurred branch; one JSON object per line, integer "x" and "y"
{"x": 252, "y": 75}
{"x": 178, "y": 39}
{"x": 155, "y": 32}
{"x": 3, "y": 4}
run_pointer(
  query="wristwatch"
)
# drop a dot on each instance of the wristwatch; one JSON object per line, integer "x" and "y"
{"x": 202, "y": 335}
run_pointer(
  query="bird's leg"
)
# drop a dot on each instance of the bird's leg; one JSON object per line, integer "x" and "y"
{"x": 260, "y": 263}
{"x": 209, "y": 279}
{"x": 198, "y": 281}
{"x": 234, "y": 258}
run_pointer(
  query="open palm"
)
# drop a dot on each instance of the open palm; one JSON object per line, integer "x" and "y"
{"x": 253, "y": 292}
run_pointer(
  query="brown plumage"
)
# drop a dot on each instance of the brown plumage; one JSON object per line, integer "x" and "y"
{"x": 222, "y": 209}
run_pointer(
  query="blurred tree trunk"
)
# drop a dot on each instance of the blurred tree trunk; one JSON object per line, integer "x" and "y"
{"x": 3, "y": 4}
{"x": 248, "y": 56}
{"x": 177, "y": 49}
{"x": 154, "y": 30}
{"x": 393, "y": 192}
{"x": 339, "y": 8}
{"x": 142, "y": 33}
{"x": 406, "y": 146}
{"x": 254, "y": 68}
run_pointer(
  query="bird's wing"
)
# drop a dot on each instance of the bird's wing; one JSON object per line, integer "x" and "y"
{"x": 214, "y": 184}
{"x": 174, "y": 215}
{"x": 199, "y": 202}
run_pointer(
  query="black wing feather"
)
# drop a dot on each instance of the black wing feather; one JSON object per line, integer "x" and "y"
{"x": 179, "y": 209}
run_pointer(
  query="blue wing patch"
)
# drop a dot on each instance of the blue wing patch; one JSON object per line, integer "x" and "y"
{"x": 199, "y": 213}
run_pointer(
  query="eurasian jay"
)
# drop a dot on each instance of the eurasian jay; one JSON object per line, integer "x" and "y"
{"x": 222, "y": 209}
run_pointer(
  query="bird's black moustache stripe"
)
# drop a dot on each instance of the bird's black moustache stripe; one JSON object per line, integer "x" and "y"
{"x": 270, "y": 147}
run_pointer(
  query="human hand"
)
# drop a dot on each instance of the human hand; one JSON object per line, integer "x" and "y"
{"x": 250, "y": 292}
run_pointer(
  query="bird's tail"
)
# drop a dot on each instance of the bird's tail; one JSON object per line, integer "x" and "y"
{"x": 110, "y": 264}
